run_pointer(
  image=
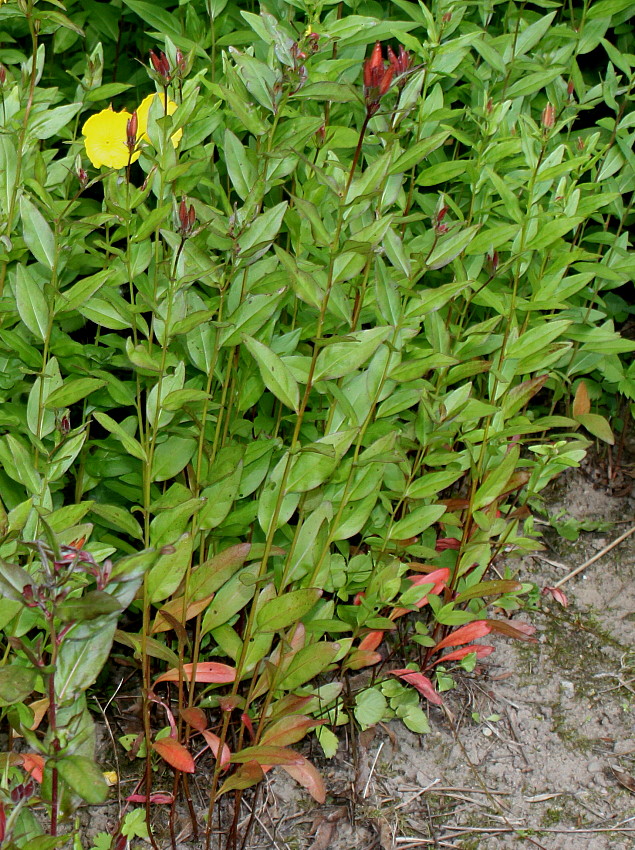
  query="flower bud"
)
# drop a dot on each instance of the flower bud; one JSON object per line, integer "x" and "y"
{"x": 3, "y": 75}
{"x": 548, "y": 117}
{"x": 132, "y": 127}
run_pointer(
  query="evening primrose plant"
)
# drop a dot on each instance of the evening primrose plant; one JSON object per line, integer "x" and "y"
{"x": 301, "y": 309}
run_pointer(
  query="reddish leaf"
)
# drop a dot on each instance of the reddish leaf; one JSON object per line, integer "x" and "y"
{"x": 289, "y": 730}
{"x": 33, "y": 763}
{"x": 519, "y": 630}
{"x": 557, "y": 594}
{"x": 155, "y": 797}
{"x": 360, "y": 658}
{"x": 307, "y": 775}
{"x": 465, "y": 634}
{"x": 206, "y": 671}
{"x": 195, "y": 717}
{"x": 480, "y": 650}
{"x": 581, "y": 402}
{"x": 437, "y": 579}
{"x": 444, "y": 543}
{"x": 245, "y": 719}
{"x": 371, "y": 641}
{"x": 421, "y": 683}
{"x": 174, "y": 609}
{"x": 213, "y": 742}
{"x": 175, "y": 754}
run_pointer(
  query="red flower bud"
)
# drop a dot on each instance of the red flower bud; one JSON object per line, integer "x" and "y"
{"x": 161, "y": 65}
{"x": 447, "y": 17}
{"x": 3, "y": 75}
{"x": 131, "y": 132}
{"x": 548, "y": 117}
{"x": 570, "y": 88}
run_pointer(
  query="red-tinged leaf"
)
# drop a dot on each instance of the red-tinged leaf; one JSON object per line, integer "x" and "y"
{"x": 230, "y": 702}
{"x": 175, "y": 754}
{"x": 519, "y": 630}
{"x": 581, "y": 402}
{"x": 245, "y": 719}
{"x": 307, "y": 775}
{"x": 244, "y": 777}
{"x": 465, "y": 634}
{"x": 195, "y": 717}
{"x": 206, "y": 671}
{"x": 438, "y": 578}
{"x": 481, "y": 652}
{"x": 360, "y": 658}
{"x": 444, "y": 543}
{"x": 557, "y": 594}
{"x": 289, "y": 730}
{"x": 174, "y": 608}
{"x": 155, "y": 797}
{"x": 421, "y": 683}
{"x": 33, "y": 763}
{"x": 213, "y": 742}
{"x": 371, "y": 641}
{"x": 267, "y": 755}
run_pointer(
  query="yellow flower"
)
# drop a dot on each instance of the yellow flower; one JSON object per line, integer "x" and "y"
{"x": 142, "y": 115}
{"x": 105, "y": 139}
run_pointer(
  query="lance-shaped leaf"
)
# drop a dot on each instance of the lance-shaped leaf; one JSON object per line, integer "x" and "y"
{"x": 274, "y": 372}
{"x": 308, "y": 776}
{"x": 289, "y": 730}
{"x": 282, "y": 611}
{"x": 195, "y": 717}
{"x": 244, "y": 777}
{"x": 211, "y": 672}
{"x": 516, "y": 629}
{"x": 465, "y": 634}
{"x": 267, "y": 755}
{"x": 421, "y": 683}
{"x": 174, "y": 754}
{"x": 84, "y": 777}
{"x": 213, "y": 742}
{"x": 480, "y": 650}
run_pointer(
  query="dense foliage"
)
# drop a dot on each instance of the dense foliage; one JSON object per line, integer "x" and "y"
{"x": 301, "y": 308}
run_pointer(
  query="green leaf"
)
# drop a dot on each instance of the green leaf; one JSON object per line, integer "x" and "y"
{"x": 43, "y": 125}
{"x": 84, "y": 777}
{"x": 308, "y": 663}
{"x": 278, "y": 613}
{"x": 242, "y": 172}
{"x": 415, "y": 153}
{"x": 450, "y": 246}
{"x": 370, "y": 707}
{"x": 597, "y": 425}
{"x": 536, "y": 339}
{"x": 496, "y": 479}
{"x": 416, "y": 521}
{"x": 72, "y": 391}
{"x": 342, "y": 358}
{"x": 16, "y": 683}
{"x": 275, "y": 374}
{"x": 607, "y": 8}
{"x": 81, "y": 661}
{"x": 37, "y": 233}
{"x": 118, "y": 517}
{"x": 129, "y": 443}
{"x": 31, "y": 303}
{"x": 168, "y": 570}
{"x": 326, "y": 90}
{"x": 171, "y": 456}
{"x": 263, "y": 230}
{"x": 230, "y": 599}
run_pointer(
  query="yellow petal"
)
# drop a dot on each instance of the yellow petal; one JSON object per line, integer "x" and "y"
{"x": 105, "y": 139}
{"x": 142, "y": 115}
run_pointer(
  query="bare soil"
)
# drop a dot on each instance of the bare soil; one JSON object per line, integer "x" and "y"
{"x": 535, "y": 749}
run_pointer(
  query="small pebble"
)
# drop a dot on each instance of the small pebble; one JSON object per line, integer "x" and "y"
{"x": 594, "y": 766}
{"x": 567, "y": 687}
{"x": 623, "y": 748}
